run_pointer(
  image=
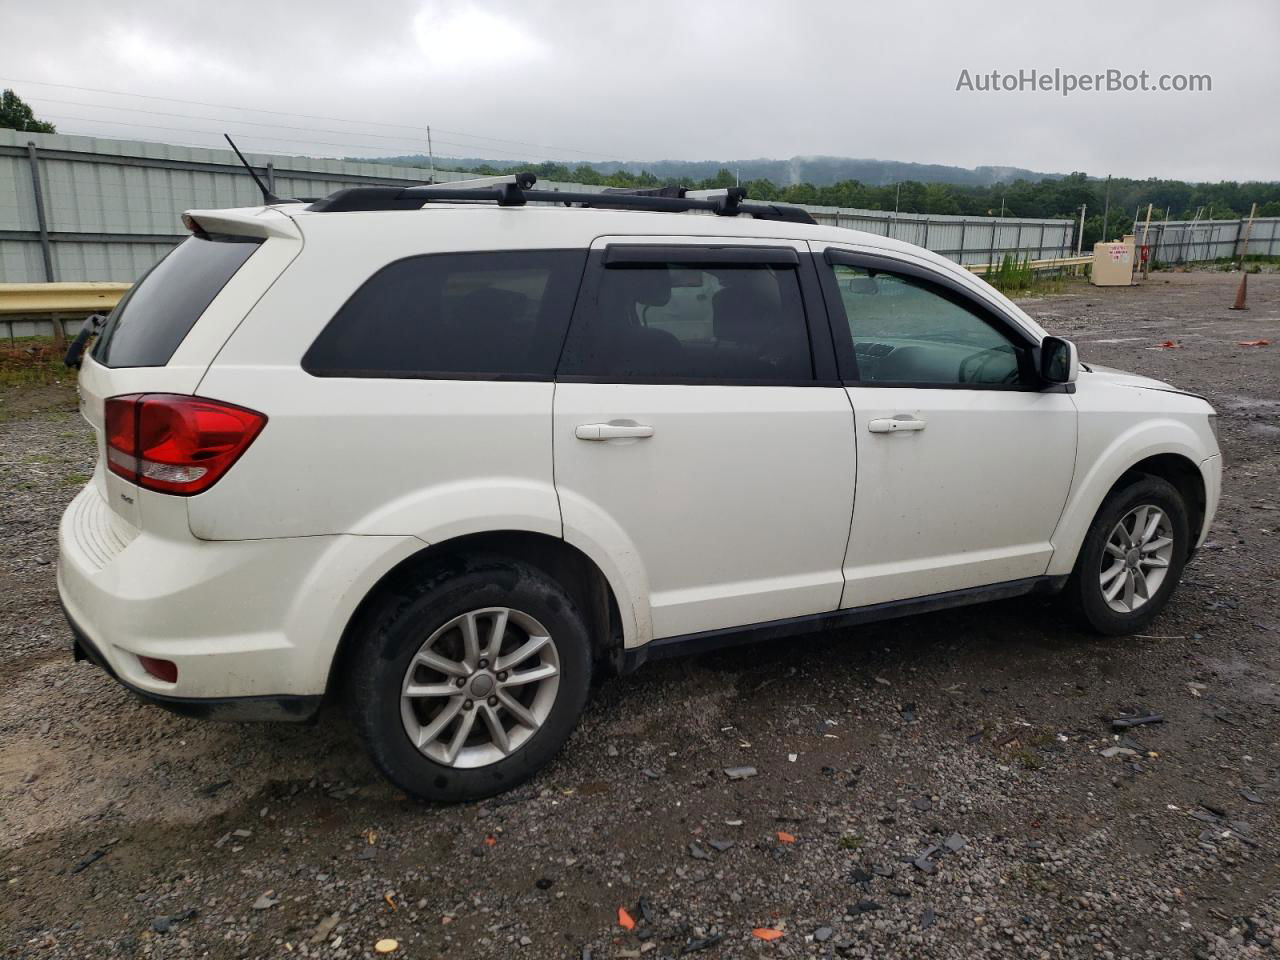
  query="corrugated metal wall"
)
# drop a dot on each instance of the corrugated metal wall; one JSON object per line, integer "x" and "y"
{"x": 112, "y": 207}
{"x": 1184, "y": 241}
{"x": 963, "y": 239}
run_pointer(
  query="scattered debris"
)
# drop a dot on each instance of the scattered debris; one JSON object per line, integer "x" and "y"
{"x": 1118, "y": 752}
{"x": 823, "y": 934}
{"x": 766, "y": 933}
{"x": 387, "y": 946}
{"x": 954, "y": 843}
{"x": 924, "y": 862}
{"x": 89, "y": 860}
{"x": 740, "y": 773}
{"x": 266, "y": 901}
{"x": 1169, "y": 345}
{"x": 1251, "y": 796}
{"x": 1137, "y": 720}
{"x": 325, "y": 927}
{"x": 693, "y": 946}
{"x": 721, "y": 845}
{"x": 1254, "y": 343}
{"x": 624, "y": 919}
{"x": 698, "y": 853}
{"x": 784, "y": 837}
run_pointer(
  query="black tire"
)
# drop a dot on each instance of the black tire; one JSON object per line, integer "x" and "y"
{"x": 1083, "y": 593}
{"x": 396, "y": 628}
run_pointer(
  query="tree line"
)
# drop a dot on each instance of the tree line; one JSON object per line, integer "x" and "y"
{"x": 1049, "y": 197}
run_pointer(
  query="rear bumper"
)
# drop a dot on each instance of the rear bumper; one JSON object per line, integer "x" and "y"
{"x": 252, "y": 625}
{"x": 284, "y": 708}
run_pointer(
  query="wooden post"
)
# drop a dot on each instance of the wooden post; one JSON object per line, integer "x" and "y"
{"x": 1146, "y": 231}
{"x": 1244, "y": 250}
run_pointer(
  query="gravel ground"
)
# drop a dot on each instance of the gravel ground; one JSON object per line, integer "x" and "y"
{"x": 932, "y": 787}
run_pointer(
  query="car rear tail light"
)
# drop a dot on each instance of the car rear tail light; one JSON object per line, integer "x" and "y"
{"x": 165, "y": 670}
{"x": 176, "y": 444}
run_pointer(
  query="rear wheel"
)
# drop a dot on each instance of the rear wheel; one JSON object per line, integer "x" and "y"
{"x": 1132, "y": 557}
{"x": 472, "y": 681}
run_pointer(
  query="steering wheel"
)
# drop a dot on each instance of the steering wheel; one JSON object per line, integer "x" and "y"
{"x": 981, "y": 360}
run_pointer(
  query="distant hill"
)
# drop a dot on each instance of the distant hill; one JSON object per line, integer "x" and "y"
{"x": 819, "y": 171}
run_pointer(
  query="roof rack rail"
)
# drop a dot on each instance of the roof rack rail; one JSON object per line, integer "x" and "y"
{"x": 517, "y": 192}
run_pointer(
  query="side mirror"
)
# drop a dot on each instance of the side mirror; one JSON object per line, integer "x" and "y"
{"x": 1059, "y": 362}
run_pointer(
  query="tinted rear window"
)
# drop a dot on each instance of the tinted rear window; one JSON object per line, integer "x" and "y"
{"x": 496, "y": 314}
{"x": 159, "y": 310}
{"x": 674, "y": 323}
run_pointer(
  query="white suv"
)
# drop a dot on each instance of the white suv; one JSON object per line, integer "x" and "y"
{"x": 451, "y": 452}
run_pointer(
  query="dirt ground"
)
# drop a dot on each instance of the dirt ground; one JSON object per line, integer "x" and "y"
{"x": 125, "y": 831}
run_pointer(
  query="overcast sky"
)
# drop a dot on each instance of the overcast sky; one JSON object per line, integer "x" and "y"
{"x": 583, "y": 80}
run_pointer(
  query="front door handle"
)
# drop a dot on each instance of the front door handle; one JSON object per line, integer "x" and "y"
{"x": 617, "y": 430}
{"x": 893, "y": 424}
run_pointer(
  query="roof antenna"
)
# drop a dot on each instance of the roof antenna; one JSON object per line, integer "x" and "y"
{"x": 267, "y": 196}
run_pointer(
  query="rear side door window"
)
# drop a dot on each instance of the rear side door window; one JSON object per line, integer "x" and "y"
{"x": 691, "y": 316}
{"x": 475, "y": 316}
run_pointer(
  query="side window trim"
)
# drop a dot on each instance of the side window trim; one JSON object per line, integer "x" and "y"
{"x": 813, "y": 305}
{"x": 949, "y": 289}
{"x": 640, "y": 254}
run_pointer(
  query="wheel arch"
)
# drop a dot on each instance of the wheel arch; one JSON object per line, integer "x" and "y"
{"x": 1184, "y": 474}
{"x": 1175, "y": 462}
{"x": 559, "y": 560}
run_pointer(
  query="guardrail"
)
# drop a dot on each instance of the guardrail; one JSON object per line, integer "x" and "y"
{"x": 1052, "y": 264}
{"x": 40, "y": 299}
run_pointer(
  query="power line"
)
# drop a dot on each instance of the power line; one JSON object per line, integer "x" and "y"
{"x": 408, "y": 148}
{"x": 303, "y": 116}
{"x": 256, "y": 123}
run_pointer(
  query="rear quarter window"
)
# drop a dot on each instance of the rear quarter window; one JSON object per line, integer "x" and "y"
{"x": 488, "y": 315}
{"x": 159, "y": 310}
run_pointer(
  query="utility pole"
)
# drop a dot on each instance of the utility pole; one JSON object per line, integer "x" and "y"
{"x": 1002, "y": 196}
{"x": 896, "y": 194}
{"x": 1080, "y": 235}
{"x": 1106, "y": 209}
{"x": 431, "y": 154}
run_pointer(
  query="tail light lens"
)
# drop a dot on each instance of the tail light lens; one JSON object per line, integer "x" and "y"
{"x": 176, "y": 444}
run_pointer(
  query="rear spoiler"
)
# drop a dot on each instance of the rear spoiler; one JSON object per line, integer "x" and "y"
{"x": 260, "y": 222}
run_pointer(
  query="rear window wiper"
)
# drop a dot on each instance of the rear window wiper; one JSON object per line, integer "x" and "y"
{"x": 88, "y": 330}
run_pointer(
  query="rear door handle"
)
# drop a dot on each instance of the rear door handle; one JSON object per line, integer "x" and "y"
{"x": 893, "y": 424}
{"x": 618, "y": 430}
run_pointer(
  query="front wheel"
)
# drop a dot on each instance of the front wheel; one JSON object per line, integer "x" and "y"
{"x": 472, "y": 681}
{"x": 1132, "y": 557}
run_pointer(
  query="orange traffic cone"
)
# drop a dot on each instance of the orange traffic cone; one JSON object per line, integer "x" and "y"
{"x": 1241, "y": 294}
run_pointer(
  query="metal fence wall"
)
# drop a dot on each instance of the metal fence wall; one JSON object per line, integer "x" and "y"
{"x": 966, "y": 240}
{"x": 1185, "y": 241}
{"x": 83, "y": 208}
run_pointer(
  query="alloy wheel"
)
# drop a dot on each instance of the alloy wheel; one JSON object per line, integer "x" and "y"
{"x": 479, "y": 687}
{"x": 1136, "y": 558}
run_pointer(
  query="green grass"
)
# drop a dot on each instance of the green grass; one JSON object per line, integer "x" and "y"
{"x": 1014, "y": 277}
{"x": 32, "y": 361}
